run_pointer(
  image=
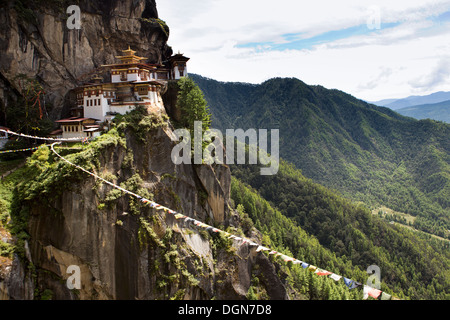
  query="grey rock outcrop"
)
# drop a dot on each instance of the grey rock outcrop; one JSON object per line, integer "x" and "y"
{"x": 123, "y": 250}
{"x": 35, "y": 41}
{"x": 146, "y": 254}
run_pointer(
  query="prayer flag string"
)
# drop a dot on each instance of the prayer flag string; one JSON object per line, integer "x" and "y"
{"x": 351, "y": 284}
{"x": 18, "y": 150}
{"x": 42, "y": 138}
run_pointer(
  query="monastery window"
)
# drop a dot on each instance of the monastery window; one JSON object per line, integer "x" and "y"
{"x": 123, "y": 76}
{"x": 98, "y": 101}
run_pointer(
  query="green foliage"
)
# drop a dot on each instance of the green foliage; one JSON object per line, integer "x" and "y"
{"x": 179, "y": 295}
{"x": 47, "y": 294}
{"x": 39, "y": 160}
{"x": 436, "y": 111}
{"x": 350, "y": 231}
{"x": 140, "y": 122}
{"x": 6, "y": 249}
{"x": 146, "y": 233}
{"x": 156, "y": 21}
{"x": 193, "y": 106}
{"x": 12, "y": 212}
{"x": 220, "y": 242}
{"x": 284, "y": 235}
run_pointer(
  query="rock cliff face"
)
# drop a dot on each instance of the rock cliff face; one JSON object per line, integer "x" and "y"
{"x": 35, "y": 41}
{"x": 127, "y": 251}
{"x": 124, "y": 250}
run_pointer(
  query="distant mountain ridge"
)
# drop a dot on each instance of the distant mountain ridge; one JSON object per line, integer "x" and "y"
{"x": 436, "y": 111}
{"x": 396, "y": 104}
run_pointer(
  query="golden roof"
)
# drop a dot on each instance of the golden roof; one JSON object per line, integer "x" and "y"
{"x": 130, "y": 56}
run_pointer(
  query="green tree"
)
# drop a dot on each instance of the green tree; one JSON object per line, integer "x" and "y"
{"x": 193, "y": 106}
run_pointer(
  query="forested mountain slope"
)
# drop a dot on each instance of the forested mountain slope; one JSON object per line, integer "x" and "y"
{"x": 367, "y": 153}
{"x": 286, "y": 205}
{"x": 436, "y": 111}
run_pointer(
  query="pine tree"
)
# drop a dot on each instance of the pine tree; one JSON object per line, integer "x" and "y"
{"x": 193, "y": 106}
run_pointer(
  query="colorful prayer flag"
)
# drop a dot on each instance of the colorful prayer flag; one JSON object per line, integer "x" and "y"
{"x": 261, "y": 248}
{"x": 312, "y": 268}
{"x": 372, "y": 292}
{"x": 351, "y": 284}
{"x": 385, "y": 296}
{"x": 321, "y": 272}
{"x": 335, "y": 277}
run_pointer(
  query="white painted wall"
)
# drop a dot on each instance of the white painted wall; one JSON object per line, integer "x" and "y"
{"x": 96, "y": 111}
{"x": 133, "y": 77}
{"x": 115, "y": 78}
{"x": 72, "y": 134}
{"x": 177, "y": 73}
{"x": 121, "y": 109}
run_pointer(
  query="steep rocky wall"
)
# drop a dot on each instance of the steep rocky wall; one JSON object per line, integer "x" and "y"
{"x": 35, "y": 41}
{"x": 123, "y": 251}
{"x": 129, "y": 253}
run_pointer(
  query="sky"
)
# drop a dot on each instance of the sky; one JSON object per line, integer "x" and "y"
{"x": 373, "y": 50}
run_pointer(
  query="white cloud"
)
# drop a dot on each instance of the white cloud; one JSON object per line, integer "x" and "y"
{"x": 209, "y": 32}
{"x": 438, "y": 76}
